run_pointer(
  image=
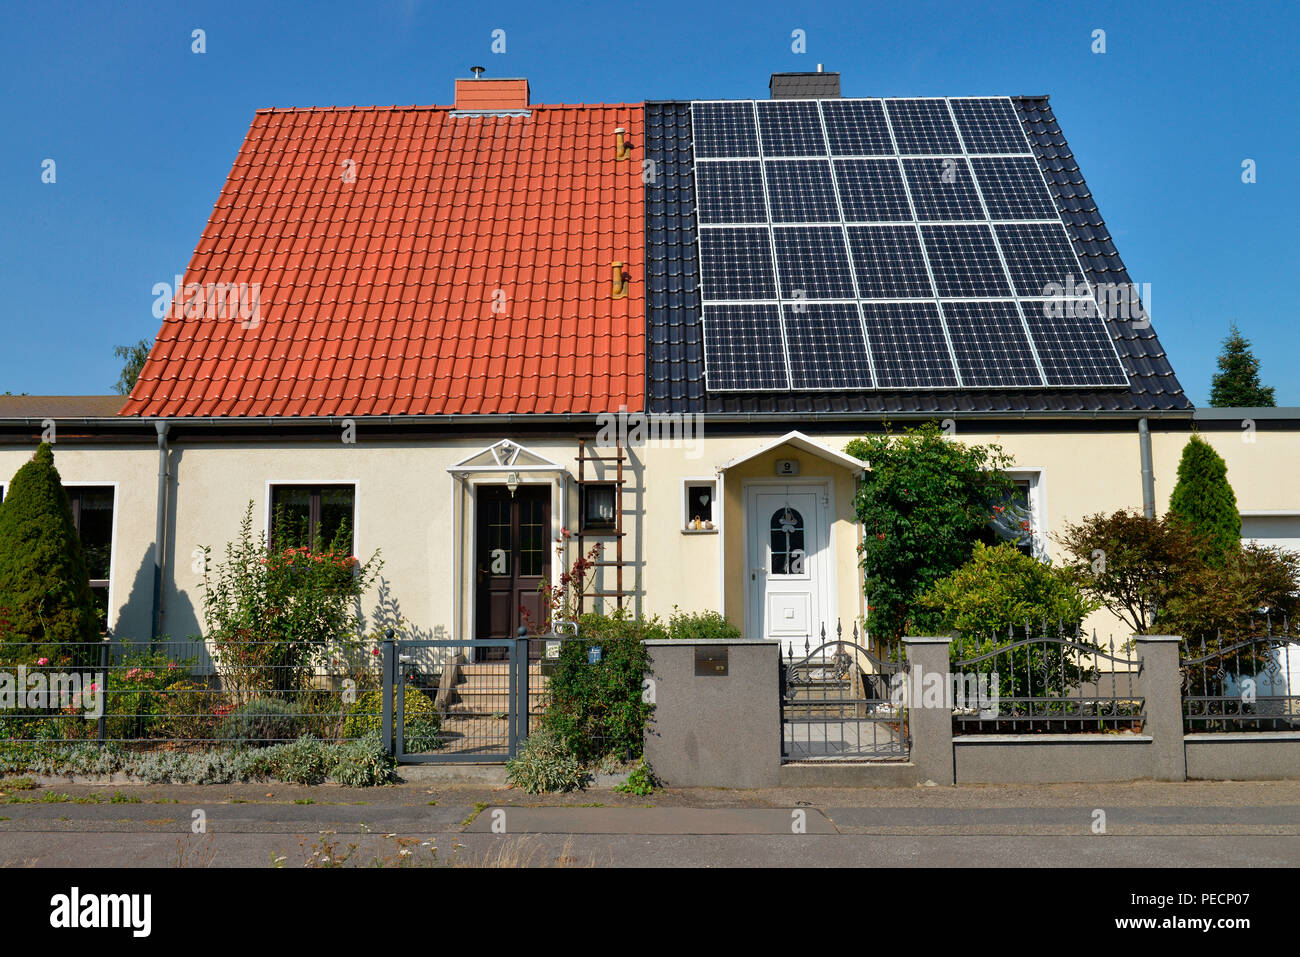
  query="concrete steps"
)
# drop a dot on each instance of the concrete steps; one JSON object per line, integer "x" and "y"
{"x": 484, "y": 687}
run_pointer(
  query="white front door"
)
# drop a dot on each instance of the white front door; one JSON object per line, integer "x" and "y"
{"x": 789, "y": 564}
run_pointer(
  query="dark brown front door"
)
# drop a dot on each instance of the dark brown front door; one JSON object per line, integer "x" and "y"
{"x": 513, "y": 557}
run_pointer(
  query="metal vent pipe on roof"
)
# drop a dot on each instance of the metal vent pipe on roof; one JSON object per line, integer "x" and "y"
{"x": 620, "y": 283}
{"x": 622, "y": 150}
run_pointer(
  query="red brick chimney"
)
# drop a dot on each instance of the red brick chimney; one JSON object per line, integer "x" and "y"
{"x": 476, "y": 96}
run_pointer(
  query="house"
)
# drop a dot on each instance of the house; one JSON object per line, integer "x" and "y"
{"x": 486, "y": 336}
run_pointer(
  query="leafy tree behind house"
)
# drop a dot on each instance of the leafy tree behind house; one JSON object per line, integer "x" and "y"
{"x": 44, "y": 586}
{"x": 1205, "y": 501}
{"x": 1236, "y": 384}
{"x": 923, "y": 505}
{"x": 135, "y": 357}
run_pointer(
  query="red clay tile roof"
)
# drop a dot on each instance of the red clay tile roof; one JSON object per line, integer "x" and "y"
{"x": 376, "y": 296}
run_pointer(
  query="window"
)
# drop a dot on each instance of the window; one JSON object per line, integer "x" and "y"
{"x": 698, "y": 505}
{"x": 787, "y": 542}
{"x": 1017, "y": 518}
{"x": 598, "y": 507}
{"x": 312, "y": 515}
{"x": 92, "y": 516}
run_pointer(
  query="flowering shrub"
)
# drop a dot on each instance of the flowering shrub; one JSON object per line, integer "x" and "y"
{"x": 561, "y": 600}
{"x": 136, "y": 701}
{"x": 274, "y": 615}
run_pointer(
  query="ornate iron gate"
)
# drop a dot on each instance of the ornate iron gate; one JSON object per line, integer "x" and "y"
{"x": 479, "y": 710}
{"x": 837, "y": 703}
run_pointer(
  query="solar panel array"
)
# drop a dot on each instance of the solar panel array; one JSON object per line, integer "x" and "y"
{"x": 886, "y": 244}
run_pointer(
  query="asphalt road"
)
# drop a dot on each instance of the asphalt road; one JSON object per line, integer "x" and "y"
{"x": 1144, "y": 824}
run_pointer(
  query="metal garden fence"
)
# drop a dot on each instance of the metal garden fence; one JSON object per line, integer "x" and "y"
{"x": 1044, "y": 682}
{"x": 1251, "y": 684}
{"x": 187, "y": 694}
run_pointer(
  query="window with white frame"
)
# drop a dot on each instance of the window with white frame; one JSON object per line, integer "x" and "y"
{"x": 1019, "y": 517}
{"x": 92, "y": 516}
{"x": 700, "y": 511}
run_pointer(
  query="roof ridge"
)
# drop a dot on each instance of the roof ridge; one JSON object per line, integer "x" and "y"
{"x": 445, "y": 107}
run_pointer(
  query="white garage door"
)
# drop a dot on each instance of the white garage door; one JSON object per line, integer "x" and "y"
{"x": 1283, "y": 530}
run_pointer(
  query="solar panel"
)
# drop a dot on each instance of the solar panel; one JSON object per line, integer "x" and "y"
{"x": 730, "y": 192}
{"x": 990, "y": 125}
{"x": 1073, "y": 344}
{"x": 990, "y": 344}
{"x": 743, "y": 348}
{"x": 908, "y": 345}
{"x": 801, "y": 191}
{"x": 888, "y": 262}
{"x": 1013, "y": 188}
{"x": 736, "y": 264}
{"x": 922, "y": 126}
{"x": 724, "y": 129}
{"x": 826, "y": 347}
{"x": 939, "y": 247}
{"x": 790, "y": 128}
{"x": 813, "y": 263}
{"x": 942, "y": 189}
{"x": 857, "y": 128}
{"x": 964, "y": 261}
{"x": 1041, "y": 258}
{"x": 872, "y": 191}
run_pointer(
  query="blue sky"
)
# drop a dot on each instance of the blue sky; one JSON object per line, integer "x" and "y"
{"x": 143, "y": 131}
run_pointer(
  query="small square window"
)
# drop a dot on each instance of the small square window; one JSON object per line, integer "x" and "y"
{"x": 699, "y": 506}
{"x": 597, "y": 507}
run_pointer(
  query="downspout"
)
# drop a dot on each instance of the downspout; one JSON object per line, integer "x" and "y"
{"x": 160, "y": 528}
{"x": 1148, "y": 474}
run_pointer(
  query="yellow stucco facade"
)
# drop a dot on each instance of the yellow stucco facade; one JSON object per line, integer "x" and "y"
{"x": 415, "y": 506}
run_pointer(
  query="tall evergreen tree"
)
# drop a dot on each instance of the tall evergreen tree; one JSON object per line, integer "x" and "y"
{"x": 44, "y": 586}
{"x": 1236, "y": 384}
{"x": 1204, "y": 500}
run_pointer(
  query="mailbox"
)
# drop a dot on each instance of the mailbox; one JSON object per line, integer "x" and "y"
{"x": 710, "y": 662}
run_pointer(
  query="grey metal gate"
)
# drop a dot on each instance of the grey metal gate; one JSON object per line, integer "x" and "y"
{"x": 837, "y": 703}
{"x": 481, "y": 706}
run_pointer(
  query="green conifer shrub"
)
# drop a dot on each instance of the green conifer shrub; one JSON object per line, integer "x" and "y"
{"x": 1205, "y": 502}
{"x": 45, "y": 594}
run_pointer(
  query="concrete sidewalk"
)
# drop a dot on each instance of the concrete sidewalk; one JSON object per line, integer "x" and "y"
{"x": 1145, "y": 824}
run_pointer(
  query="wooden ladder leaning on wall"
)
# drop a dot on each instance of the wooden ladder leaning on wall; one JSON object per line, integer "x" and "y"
{"x": 618, "y": 533}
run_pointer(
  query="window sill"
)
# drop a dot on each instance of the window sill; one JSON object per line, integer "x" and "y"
{"x": 700, "y": 531}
